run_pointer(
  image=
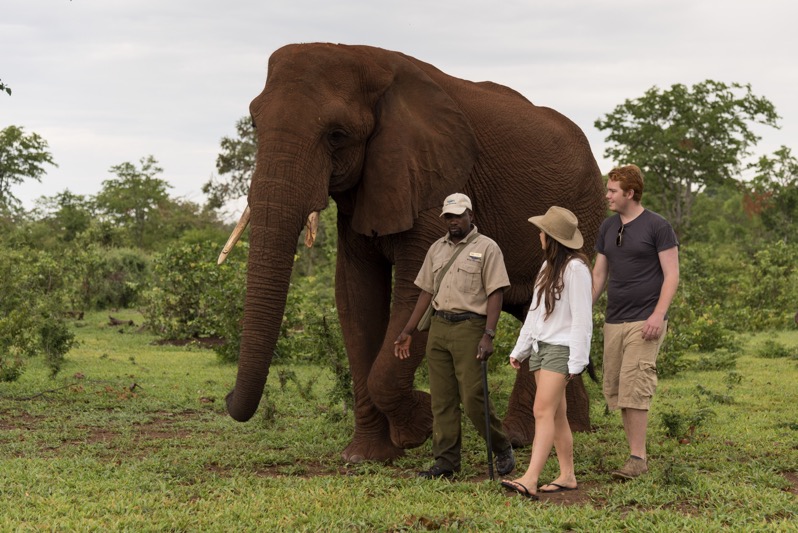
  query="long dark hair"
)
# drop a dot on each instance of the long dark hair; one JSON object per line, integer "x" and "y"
{"x": 550, "y": 283}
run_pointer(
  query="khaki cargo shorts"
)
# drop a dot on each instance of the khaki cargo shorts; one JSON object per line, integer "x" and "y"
{"x": 630, "y": 365}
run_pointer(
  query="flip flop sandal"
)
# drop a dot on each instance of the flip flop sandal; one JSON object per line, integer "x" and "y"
{"x": 560, "y": 488}
{"x": 519, "y": 488}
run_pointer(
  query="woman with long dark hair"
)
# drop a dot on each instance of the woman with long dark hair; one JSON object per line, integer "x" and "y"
{"x": 555, "y": 338}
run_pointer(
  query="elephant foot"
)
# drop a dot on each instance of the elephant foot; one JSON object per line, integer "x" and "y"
{"x": 519, "y": 431}
{"x": 362, "y": 449}
{"x": 415, "y": 431}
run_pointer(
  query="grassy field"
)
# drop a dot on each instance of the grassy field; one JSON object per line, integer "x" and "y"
{"x": 133, "y": 436}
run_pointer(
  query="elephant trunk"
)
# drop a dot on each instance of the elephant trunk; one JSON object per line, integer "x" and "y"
{"x": 273, "y": 238}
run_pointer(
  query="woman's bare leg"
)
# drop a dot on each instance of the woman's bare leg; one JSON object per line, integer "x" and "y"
{"x": 549, "y": 399}
{"x": 564, "y": 445}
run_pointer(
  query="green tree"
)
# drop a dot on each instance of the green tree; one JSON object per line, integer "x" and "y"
{"x": 775, "y": 188}
{"x": 64, "y": 215}
{"x": 237, "y": 159}
{"x": 21, "y": 157}
{"x": 190, "y": 222}
{"x": 4, "y": 87}
{"x": 723, "y": 217}
{"x": 134, "y": 198}
{"x": 685, "y": 139}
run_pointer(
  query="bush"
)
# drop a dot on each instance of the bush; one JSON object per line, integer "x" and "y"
{"x": 682, "y": 424}
{"x": 328, "y": 351}
{"x": 773, "y": 350}
{"x": 11, "y": 368}
{"x": 311, "y": 293}
{"x": 597, "y": 340}
{"x": 721, "y": 359}
{"x": 703, "y": 331}
{"x": 773, "y": 286}
{"x": 32, "y": 311}
{"x": 225, "y": 303}
{"x": 670, "y": 360}
{"x": 734, "y": 289}
{"x": 56, "y": 340}
{"x": 103, "y": 278}
{"x": 191, "y": 296}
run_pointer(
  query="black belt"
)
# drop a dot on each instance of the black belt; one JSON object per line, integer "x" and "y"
{"x": 457, "y": 317}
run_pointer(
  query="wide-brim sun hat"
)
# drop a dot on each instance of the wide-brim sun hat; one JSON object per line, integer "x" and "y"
{"x": 561, "y": 225}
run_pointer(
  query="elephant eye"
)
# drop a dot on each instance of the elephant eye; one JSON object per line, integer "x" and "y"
{"x": 336, "y": 137}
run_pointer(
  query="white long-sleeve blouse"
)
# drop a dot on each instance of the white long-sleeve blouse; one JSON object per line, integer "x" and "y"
{"x": 570, "y": 323}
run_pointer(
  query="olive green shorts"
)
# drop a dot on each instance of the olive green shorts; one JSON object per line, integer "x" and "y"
{"x": 552, "y": 357}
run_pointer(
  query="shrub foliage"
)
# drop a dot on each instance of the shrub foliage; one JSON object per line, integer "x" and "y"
{"x": 192, "y": 297}
{"x": 32, "y": 311}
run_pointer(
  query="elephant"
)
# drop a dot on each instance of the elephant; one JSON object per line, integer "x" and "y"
{"x": 388, "y": 137}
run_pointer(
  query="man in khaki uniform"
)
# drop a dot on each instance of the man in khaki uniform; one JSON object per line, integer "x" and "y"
{"x": 467, "y": 306}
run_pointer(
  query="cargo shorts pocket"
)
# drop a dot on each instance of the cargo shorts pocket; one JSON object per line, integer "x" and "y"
{"x": 646, "y": 382}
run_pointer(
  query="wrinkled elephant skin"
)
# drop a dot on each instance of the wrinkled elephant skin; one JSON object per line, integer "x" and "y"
{"x": 388, "y": 137}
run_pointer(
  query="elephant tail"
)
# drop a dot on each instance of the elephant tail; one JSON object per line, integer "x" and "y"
{"x": 591, "y": 370}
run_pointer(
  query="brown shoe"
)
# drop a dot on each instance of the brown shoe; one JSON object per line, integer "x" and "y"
{"x": 633, "y": 468}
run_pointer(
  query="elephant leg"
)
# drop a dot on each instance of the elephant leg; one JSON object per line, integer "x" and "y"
{"x": 519, "y": 423}
{"x": 390, "y": 384}
{"x": 362, "y": 293}
{"x": 391, "y": 380}
{"x": 578, "y": 403}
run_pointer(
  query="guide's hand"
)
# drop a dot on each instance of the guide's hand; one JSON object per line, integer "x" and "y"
{"x": 485, "y": 349}
{"x": 401, "y": 346}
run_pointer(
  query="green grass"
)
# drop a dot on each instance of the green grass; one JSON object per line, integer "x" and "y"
{"x": 133, "y": 436}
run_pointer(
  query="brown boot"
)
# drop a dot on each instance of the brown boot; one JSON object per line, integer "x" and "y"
{"x": 633, "y": 468}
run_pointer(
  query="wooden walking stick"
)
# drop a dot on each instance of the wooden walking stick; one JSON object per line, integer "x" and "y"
{"x": 487, "y": 417}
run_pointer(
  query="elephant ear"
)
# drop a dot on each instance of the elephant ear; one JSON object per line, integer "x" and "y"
{"x": 423, "y": 149}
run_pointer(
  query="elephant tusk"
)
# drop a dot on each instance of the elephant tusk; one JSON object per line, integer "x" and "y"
{"x": 312, "y": 226}
{"x": 237, "y": 232}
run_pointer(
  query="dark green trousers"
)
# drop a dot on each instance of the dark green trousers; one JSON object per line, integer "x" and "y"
{"x": 455, "y": 377}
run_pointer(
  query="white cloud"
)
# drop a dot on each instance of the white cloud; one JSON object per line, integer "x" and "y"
{"x": 108, "y": 82}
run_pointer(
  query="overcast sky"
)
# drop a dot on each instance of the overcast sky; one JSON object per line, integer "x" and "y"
{"x": 110, "y": 81}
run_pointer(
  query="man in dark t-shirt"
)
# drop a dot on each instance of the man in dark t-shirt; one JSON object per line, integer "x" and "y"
{"x": 638, "y": 251}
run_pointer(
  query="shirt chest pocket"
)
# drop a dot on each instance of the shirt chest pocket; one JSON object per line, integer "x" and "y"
{"x": 437, "y": 270}
{"x": 469, "y": 277}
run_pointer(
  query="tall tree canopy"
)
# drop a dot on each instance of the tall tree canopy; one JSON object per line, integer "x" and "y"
{"x": 134, "y": 197}
{"x": 21, "y": 156}
{"x": 67, "y": 214}
{"x": 685, "y": 139}
{"x": 776, "y": 188}
{"x": 237, "y": 159}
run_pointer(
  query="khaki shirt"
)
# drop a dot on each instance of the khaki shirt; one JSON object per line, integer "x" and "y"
{"x": 476, "y": 273}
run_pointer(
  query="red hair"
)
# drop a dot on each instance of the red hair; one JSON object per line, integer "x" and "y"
{"x": 630, "y": 177}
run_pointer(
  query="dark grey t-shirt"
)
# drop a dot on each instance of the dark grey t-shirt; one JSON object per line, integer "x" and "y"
{"x": 635, "y": 274}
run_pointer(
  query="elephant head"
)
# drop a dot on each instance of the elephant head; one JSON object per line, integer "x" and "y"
{"x": 364, "y": 125}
